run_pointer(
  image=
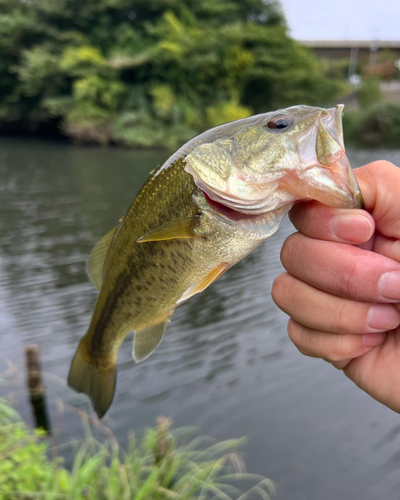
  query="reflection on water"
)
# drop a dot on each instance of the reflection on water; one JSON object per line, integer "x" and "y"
{"x": 226, "y": 363}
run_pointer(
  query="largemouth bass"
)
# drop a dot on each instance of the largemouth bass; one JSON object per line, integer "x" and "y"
{"x": 208, "y": 206}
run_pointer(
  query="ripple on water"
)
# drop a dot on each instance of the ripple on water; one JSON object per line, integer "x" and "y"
{"x": 226, "y": 362}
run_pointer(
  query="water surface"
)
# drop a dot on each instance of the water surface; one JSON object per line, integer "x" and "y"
{"x": 226, "y": 363}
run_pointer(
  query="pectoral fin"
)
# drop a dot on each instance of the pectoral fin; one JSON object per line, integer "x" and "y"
{"x": 97, "y": 258}
{"x": 204, "y": 283}
{"x": 147, "y": 339}
{"x": 179, "y": 228}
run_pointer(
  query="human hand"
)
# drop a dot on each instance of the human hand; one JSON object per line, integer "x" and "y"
{"x": 342, "y": 285}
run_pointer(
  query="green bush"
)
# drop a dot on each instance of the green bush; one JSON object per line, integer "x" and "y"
{"x": 370, "y": 93}
{"x": 24, "y": 467}
{"x": 379, "y": 125}
{"x": 159, "y": 467}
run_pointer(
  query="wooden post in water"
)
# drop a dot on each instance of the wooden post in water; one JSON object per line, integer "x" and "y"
{"x": 37, "y": 391}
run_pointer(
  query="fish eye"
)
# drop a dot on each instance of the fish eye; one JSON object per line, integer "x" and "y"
{"x": 279, "y": 122}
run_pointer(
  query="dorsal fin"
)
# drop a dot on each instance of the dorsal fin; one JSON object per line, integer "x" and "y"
{"x": 97, "y": 258}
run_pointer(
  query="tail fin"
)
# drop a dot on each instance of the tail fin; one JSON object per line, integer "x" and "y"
{"x": 97, "y": 382}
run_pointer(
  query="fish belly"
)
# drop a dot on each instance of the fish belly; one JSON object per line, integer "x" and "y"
{"x": 168, "y": 271}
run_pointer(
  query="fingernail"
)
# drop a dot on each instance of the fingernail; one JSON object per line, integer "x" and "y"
{"x": 383, "y": 317}
{"x": 373, "y": 339}
{"x": 353, "y": 228}
{"x": 389, "y": 285}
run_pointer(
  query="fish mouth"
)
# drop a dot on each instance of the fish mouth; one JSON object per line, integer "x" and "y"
{"x": 328, "y": 176}
{"x": 334, "y": 185}
{"x": 319, "y": 171}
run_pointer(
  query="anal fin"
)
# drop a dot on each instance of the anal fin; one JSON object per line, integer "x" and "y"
{"x": 204, "y": 283}
{"x": 147, "y": 339}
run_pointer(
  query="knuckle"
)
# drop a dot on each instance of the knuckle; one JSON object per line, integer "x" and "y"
{"x": 343, "y": 348}
{"x": 358, "y": 275}
{"x": 370, "y": 168}
{"x": 347, "y": 278}
{"x": 291, "y": 329}
{"x": 293, "y": 251}
{"x": 286, "y": 250}
{"x": 306, "y": 216}
{"x": 299, "y": 214}
{"x": 296, "y": 336}
{"x": 279, "y": 289}
{"x": 337, "y": 352}
{"x": 340, "y": 322}
{"x": 340, "y": 365}
{"x": 388, "y": 165}
{"x": 303, "y": 350}
{"x": 387, "y": 173}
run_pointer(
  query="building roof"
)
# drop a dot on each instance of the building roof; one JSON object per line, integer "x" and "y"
{"x": 344, "y": 44}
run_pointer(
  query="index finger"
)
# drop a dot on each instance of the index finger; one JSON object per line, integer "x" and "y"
{"x": 332, "y": 224}
{"x": 342, "y": 270}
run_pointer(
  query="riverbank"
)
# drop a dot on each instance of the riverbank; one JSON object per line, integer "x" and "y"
{"x": 162, "y": 465}
{"x": 376, "y": 126}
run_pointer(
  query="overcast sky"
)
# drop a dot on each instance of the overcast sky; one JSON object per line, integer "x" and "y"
{"x": 343, "y": 19}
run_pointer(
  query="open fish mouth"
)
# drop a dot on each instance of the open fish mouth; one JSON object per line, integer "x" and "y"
{"x": 329, "y": 179}
{"x": 334, "y": 185}
{"x": 317, "y": 169}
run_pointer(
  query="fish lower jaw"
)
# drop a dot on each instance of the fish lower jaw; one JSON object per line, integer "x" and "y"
{"x": 334, "y": 185}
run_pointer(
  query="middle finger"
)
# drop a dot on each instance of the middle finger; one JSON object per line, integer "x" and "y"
{"x": 342, "y": 269}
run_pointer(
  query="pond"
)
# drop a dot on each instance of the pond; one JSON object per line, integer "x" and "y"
{"x": 226, "y": 363}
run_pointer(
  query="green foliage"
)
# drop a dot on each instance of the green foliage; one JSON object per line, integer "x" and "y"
{"x": 226, "y": 112}
{"x": 163, "y": 100}
{"x": 38, "y": 69}
{"x": 24, "y": 467}
{"x": 156, "y": 468}
{"x": 378, "y": 125}
{"x": 370, "y": 93}
{"x": 150, "y": 73}
{"x": 77, "y": 60}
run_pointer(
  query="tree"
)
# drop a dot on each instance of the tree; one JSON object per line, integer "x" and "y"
{"x": 149, "y": 73}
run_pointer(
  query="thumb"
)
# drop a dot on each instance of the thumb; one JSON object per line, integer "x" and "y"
{"x": 380, "y": 185}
